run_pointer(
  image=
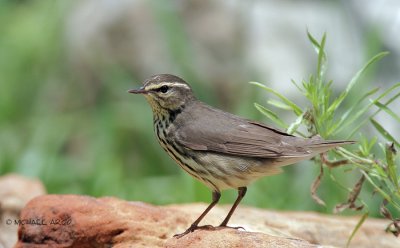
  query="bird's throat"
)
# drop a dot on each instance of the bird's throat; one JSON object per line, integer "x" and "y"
{"x": 167, "y": 116}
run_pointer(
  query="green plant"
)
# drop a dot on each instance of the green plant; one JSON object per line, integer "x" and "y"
{"x": 325, "y": 116}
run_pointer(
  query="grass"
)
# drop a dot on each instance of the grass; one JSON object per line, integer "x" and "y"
{"x": 324, "y": 116}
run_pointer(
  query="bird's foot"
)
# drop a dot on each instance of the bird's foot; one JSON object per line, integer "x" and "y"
{"x": 193, "y": 228}
{"x": 207, "y": 228}
{"x": 232, "y": 227}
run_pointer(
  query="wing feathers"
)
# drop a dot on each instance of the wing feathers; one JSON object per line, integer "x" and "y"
{"x": 236, "y": 136}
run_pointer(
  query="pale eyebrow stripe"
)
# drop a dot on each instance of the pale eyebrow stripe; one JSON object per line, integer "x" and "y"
{"x": 181, "y": 84}
{"x": 168, "y": 84}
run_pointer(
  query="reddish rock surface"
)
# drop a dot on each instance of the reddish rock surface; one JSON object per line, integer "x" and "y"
{"x": 15, "y": 192}
{"x": 81, "y": 221}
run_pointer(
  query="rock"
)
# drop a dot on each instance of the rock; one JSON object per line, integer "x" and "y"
{"x": 234, "y": 238}
{"x": 15, "y": 192}
{"x": 81, "y": 221}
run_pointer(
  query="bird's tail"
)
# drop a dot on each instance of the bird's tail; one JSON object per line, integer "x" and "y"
{"x": 320, "y": 145}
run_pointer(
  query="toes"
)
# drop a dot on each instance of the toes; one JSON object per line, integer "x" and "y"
{"x": 180, "y": 235}
{"x": 239, "y": 227}
{"x": 233, "y": 227}
{"x": 207, "y": 228}
{"x": 193, "y": 228}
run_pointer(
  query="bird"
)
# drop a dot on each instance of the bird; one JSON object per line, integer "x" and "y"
{"x": 221, "y": 150}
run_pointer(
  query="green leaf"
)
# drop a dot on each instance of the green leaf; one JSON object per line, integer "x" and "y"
{"x": 355, "y": 79}
{"x": 365, "y": 109}
{"x": 383, "y": 132}
{"x": 279, "y": 104}
{"x": 344, "y": 121}
{"x": 391, "y": 165}
{"x": 394, "y": 97}
{"x": 297, "y": 86}
{"x": 314, "y": 42}
{"x": 379, "y": 171}
{"x": 378, "y": 189}
{"x": 319, "y": 48}
{"x": 365, "y": 144}
{"x": 387, "y": 110}
{"x": 293, "y": 127}
{"x": 321, "y": 68}
{"x": 353, "y": 118}
{"x": 357, "y": 160}
{"x": 297, "y": 110}
{"x": 359, "y": 224}
{"x": 271, "y": 115}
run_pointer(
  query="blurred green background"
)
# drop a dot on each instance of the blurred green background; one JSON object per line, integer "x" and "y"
{"x": 65, "y": 67}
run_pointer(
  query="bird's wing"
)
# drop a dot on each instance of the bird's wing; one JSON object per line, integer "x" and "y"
{"x": 222, "y": 132}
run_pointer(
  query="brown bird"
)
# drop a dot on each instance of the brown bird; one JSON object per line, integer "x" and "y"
{"x": 220, "y": 149}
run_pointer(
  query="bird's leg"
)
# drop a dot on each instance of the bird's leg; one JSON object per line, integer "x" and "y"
{"x": 241, "y": 193}
{"x": 215, "y": 198}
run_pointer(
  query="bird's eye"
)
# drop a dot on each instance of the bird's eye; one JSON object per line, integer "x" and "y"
{"x": 163, "y": 89}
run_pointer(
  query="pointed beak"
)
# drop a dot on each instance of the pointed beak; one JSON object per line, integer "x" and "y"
{"x": 141, "y": 90}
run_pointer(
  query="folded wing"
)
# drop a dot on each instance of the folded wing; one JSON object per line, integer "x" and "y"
{"x": 237, "y": 136}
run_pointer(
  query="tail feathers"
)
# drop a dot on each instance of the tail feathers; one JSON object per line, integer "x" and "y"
{"x": 309, "y": 149}
{"x": 320, "y": 145}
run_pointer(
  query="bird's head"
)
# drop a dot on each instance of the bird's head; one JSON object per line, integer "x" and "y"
{"x": 165, "y": 92}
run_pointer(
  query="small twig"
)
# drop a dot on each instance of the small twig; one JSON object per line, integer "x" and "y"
{"x": 395, "y": 222}
{"x": 317, "y": 181}
{"x": 332, "y": 164}
{"x": 353, "y": 196}
{"x": 315, "y": 186}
